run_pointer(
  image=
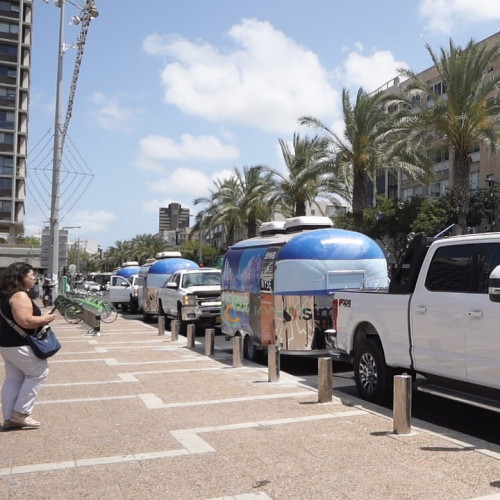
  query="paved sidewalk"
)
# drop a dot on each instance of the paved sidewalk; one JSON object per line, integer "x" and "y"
{"x": 132, "y": 415}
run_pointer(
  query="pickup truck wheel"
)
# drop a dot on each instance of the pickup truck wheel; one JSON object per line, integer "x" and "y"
{"x": 373, "y": 377}
{"x": 182, "y": 324}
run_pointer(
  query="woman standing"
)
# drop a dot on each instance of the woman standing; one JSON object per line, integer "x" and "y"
{"x": 24, "y": 372}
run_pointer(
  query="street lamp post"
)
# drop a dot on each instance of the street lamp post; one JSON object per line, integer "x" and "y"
{"x": 58, "y": 144}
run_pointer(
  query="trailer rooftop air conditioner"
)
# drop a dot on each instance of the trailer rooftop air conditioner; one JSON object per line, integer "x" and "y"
{"x": 130, "y": 263}
{"x": 168, "y": 255}
{"x": 307, "y": 222}
{"x": 272, "y": 227}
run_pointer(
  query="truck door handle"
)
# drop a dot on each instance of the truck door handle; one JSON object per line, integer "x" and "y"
{"x": 475, "y": 314}
{"x": 420, "y": 309}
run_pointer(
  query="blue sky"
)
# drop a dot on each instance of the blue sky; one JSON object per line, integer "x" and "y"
{"x": 173, "y": 95}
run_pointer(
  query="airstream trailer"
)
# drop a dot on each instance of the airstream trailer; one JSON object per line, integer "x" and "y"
{"x": 278, "y": 288}
{"x": 153, "y": 275}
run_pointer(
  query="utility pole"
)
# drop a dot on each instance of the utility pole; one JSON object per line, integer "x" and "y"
{"x": 57, "y": 159}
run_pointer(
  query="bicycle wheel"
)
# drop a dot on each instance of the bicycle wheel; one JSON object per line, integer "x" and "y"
{"x": 73, "y": 314}
{"x": 109, "y": 313}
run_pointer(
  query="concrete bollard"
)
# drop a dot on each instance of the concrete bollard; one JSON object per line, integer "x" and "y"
{"x": 273, "y": 362}
{"x": 209, "y": 341}
{"x": 174, "y": 330}
{"x": 191, "y": 333}
{"x": 325, "y": 384}
{"x": 161, "y": 325}
{"x": 237, "y": 351}
{"x": 402, "y": 404}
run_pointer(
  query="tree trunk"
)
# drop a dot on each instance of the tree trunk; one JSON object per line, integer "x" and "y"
{"x": 358, "y": 200}
{"x": 461, "y": 186}
{"x": 300, "y": 208}
{"x": 252, "y": 227}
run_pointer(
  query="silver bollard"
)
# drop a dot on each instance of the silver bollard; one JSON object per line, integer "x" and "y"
{"x": 161, "y": 325}
{"x": 174, "y": 330}
{"x": 273, "y": 362}
{"x": 209, "y": 341}
{"x": 191, "y": 333}
{"x": 402, "y": 404}
{"x": 325, "y": 384}
{"x": 237, "y": 351}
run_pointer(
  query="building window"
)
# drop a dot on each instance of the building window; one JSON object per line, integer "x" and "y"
{"x": 7, "y": 119}
{"x": 6, "y": 138}
{"x": 5, "y": 210}
{"x": 8, "y": 50}
{"x": 438, "y": 88}
{"x": 9, "y": 72}
{"x": 474, "y": 181}
{"x": 8, "y": 6}
{"x": 439, "y": 155}
{"x": 9, "y": 28}
{"x": 5, "y": 187}
{"x": 6, "y": 165}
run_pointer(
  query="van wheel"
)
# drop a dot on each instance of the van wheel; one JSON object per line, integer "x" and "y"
{"x": 373, "y": 377}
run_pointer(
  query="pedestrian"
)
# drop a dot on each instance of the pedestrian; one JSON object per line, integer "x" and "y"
{"x": 24, "y": 372}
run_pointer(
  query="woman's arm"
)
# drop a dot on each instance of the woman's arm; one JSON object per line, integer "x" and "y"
{"x": 22, "y": 310}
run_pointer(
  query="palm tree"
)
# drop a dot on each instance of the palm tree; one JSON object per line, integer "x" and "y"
{"x": 216, "y": 214}
{"x": 237, "y": 203}
{"x": 145, "y": 246}
{"x": 309, "y": 174}
{"x": 367, "y": 146}
{"x": 254, "y": 187}
{"x": 466, "y": 115}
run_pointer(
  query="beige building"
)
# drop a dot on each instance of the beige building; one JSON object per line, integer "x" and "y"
{"x": 485, "y": 168}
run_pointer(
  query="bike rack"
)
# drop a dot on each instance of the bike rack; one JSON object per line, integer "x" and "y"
{"x": 92, "y": 319}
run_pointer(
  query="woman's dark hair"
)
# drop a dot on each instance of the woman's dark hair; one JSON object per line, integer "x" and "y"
{"x": 12, "y": 279}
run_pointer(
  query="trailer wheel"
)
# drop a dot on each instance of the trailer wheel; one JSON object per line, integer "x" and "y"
{"x": 373, "y": 377}
{"x": 250, "y": 351}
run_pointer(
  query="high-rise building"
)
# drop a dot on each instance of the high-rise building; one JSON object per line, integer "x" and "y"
{"x": 173, "y": 217}
{"x": 15, "y": 60}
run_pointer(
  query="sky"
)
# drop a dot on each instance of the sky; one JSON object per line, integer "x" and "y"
{"x": 172, "y": 96}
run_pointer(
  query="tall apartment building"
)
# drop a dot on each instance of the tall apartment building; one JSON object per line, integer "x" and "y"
{"x": 15, "y": 59}
{"x": 173, "y": 217}
{"x": 485, "y": 167}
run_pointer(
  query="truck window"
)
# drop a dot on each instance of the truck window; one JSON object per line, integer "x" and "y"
{"x": 450, "y": 269}
{"x": 463, "y": 268}
{"x": 488, "y": 257}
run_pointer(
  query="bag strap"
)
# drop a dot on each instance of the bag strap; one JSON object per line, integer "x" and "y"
{"x": 13, "y": 325}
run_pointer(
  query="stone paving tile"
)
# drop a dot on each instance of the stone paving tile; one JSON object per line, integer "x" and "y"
{"x": 340, "y": 455}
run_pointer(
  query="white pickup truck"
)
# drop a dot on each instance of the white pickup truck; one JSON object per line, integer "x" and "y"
{"x": 439, "y": 321}
{"x": 192, "y": 296}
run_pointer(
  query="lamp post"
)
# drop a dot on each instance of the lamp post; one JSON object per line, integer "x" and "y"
{"x": 59, "y": 139}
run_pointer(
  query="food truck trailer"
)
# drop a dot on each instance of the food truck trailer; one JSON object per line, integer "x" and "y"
{"x": 278, "y": 288}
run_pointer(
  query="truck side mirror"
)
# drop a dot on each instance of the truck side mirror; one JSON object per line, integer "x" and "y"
{"x": 494, "y": 285}
{"x": 171, "y": 284}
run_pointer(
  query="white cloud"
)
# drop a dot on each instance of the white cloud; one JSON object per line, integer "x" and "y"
{"x": 442, "y": 15}
{"x": 111, "y": 115}
{"x": 202, "y": 147}
{"x": 190, "y": 182}
{"x": 265, "y": 79}
{"x": 372, "y": 71}
{"x": 92, "y": 221}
